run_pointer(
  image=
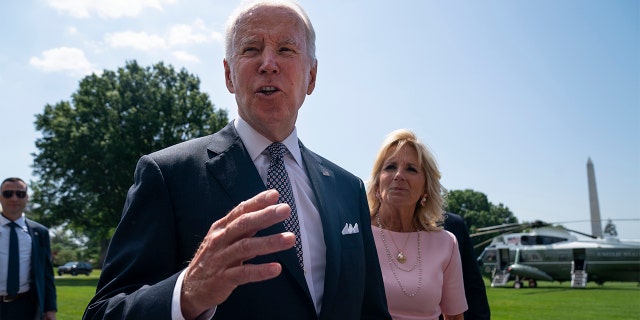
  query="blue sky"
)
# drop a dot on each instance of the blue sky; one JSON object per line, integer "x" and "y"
{"x": 512, "y": 97}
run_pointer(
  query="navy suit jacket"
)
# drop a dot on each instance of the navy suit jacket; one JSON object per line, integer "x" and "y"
{"x": 474, "y": 288}
{"x": 180, "y": 191}
{"x": 42, "y": 285}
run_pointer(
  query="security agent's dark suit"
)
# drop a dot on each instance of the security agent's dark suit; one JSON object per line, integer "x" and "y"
{"x": 180, "y": 191}
{"x": 474, "y": 288}
{"x": 42, "y": 289}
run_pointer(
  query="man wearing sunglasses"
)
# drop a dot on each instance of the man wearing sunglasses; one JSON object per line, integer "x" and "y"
{"x": 27, "y": 289}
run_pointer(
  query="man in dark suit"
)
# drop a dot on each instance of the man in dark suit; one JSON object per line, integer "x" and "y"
{"x": 191, "y": 198}
{"x": 27, "y": 288}
{"x": 474, "y": 288}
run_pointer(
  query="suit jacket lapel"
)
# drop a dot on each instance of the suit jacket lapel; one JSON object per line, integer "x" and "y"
{"x": 324, "y": 186}
{"x": 35, "y": 240}
{"x": 36, "y": 264}
{"x": 232, "y": 166}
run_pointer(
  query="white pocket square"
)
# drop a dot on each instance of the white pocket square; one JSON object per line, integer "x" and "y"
{"x": 350, "y": 229}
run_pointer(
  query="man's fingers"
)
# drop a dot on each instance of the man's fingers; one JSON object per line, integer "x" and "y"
{"x": 258, "y": 202}
{"x": 218, "y": 265}
{"x": 231, "y": 246}
{"x": 250, "y": 248}
{"x": 211, "y": 276}
{"x": 248, "y": 224}
{"x": 253, "y": 247}
{"x": 253, "y": 272}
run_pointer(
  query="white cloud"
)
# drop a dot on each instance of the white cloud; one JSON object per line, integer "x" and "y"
{"x": 137, "y": 40}
{"x": 76, "y": 8}
{"x": 107, "y": 9}
{"x": 72, "y": 30}
{"x": 217, "y": 37}
{"x": 185, "y": 34}
{"x": 197, "y": 32}
{"x": 185, "y": 56}
{"x": 63, "y": 59}
{"x": 179, "y": 35}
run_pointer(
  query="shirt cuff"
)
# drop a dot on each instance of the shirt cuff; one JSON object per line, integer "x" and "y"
{"x": 176, "y": 310}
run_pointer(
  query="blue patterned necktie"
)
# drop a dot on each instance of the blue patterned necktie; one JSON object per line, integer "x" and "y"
{"x": 13, "y": 274}
{"x": 277, "y": 178}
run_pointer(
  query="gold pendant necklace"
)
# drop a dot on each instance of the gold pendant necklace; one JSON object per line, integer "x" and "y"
{"x": 390, "y": 257}
{"x": 401, "y": 256}
{"x": 392, "y": 263}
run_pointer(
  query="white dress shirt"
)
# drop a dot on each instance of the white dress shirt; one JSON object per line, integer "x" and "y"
{"x": 311, "y": 233}
{"x": 24, "y": 243}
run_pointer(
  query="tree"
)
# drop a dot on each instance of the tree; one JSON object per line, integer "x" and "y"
{"x": 477, "y": 211}
{"x": 66, "y": 247}
{"x": 90, "y": 146}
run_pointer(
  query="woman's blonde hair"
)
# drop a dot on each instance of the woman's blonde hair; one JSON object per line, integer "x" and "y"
{"x": 430, "y": 216}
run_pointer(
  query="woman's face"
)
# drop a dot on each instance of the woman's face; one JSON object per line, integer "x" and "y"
{"x": 402, "y": 180}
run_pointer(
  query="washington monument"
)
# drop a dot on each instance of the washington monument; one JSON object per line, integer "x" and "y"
{"x": 596, "y": 225}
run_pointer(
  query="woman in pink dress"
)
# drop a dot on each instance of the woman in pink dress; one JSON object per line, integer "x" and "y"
{"x": 420, "y": 261}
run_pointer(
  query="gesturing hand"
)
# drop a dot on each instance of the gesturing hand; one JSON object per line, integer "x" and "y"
{"x": 217, "y": 267}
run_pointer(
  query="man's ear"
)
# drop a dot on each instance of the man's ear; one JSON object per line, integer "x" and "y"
{"x": 312, "y": 77}
{"x": 227, "y": 76}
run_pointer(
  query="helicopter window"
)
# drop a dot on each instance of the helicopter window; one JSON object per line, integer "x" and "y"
{"x": 533, "y": 240}
{"x": 528, "y": 240}
{"x": 548, "y": 240}
{"x": 489, "y": 256}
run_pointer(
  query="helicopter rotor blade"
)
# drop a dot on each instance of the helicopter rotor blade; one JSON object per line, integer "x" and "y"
{"x": 482, "y": 244}
{"x": 501, "y": 226}
{"x": 503, "y": 230}
{"x": 581, "y": 233}
{"x": 507, "y": 228}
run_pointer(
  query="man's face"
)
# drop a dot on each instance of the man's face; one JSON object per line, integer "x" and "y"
{"x": 13, "y": 206}
{"x": 270, "y": 71}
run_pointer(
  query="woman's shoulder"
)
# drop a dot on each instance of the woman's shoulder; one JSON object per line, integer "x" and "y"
{"x": 441, "y": 235}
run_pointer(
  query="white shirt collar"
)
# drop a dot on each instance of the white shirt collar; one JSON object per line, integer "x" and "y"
{"x": 20, "y": 221}
{"x": 256, "y": 143}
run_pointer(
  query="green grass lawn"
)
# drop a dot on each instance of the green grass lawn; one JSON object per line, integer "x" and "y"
{"x": 550, "y": 300}
{"x": 74, "y": 294}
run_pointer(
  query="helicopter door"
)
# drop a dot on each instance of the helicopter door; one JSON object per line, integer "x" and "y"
{"x": 579, "y": 259}
{"x": 503, "y": 258}
{"x": 579, "y": 269}
{"x": 501, "y": 274}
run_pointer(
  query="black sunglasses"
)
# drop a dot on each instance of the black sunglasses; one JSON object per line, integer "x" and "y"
{"x": 9, "y": 193}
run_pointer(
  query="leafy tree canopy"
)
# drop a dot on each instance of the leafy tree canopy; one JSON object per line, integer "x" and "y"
{"x": 89, "y": 147}
{"x": 477, "y": 211}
